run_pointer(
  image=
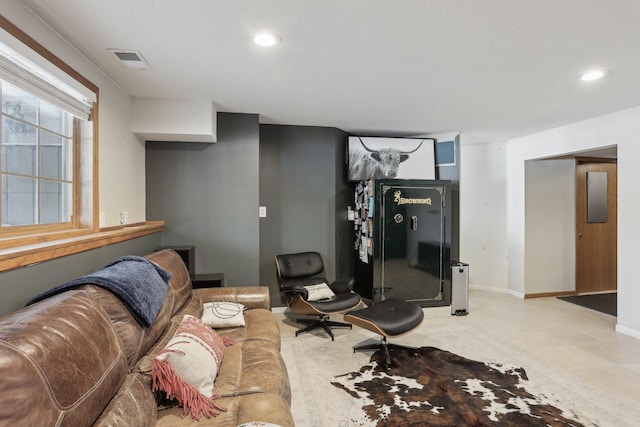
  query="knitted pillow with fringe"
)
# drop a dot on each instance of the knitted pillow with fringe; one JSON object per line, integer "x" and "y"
{"x": 187, "y": 367}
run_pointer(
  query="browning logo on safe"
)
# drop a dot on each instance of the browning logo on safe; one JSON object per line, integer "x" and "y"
{"x": 397, "y": 197}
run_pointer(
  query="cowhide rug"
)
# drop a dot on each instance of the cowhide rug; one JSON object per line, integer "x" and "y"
{"x": 432, "y": 387}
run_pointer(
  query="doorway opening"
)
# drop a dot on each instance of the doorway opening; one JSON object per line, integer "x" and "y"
{"x": 551, "y": 235}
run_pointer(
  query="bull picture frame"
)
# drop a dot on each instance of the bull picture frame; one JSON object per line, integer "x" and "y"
{"x": 390, "y": 158}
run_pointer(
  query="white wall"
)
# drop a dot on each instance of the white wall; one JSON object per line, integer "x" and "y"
{"x": 122, "y": 160}
{"x": 549, "y": 226}
{"x": 122, "y": 156}
{"x": 621, "y": 128}
{"x": 183, "y": 120}
{"x": 483, "y": 238}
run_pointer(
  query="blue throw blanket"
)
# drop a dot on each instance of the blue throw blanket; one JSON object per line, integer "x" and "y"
{"x": 140, "y": 284}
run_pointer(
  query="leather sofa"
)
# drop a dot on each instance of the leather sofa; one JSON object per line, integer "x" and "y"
{"x": 79, "y": 358}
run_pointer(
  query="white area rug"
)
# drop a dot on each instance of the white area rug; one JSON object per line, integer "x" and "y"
{"x": 313, "y": 360}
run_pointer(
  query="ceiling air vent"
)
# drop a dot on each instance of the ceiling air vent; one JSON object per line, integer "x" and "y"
{"x": 131, "y": 59}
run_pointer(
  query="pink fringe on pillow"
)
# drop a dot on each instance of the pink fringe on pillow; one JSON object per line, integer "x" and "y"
{"x": 164, "y": 378}
{"x": 228, "y": 342}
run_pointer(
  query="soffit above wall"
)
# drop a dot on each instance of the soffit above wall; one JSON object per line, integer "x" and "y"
{"x": 175, "y": 120}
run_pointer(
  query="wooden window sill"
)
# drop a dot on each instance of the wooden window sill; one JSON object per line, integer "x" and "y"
{"x": 16, "y": 257}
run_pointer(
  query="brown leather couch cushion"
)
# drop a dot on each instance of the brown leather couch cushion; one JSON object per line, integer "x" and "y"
{"x": 240, "y": 409}
{"x": 180, "y": 289}
{"x": 128, "y": 329}
{"x": 259, "y": 325}
{"x": 61, "y": 362}
{"x": 250, "y": 296}
{"x": 136, "y": 340}
{"x": 134, "y": 406}
{"x": 252, "y": 375}
{"x": 253, "y": 366}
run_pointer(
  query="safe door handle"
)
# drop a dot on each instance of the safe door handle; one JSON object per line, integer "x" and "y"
{"x": 414, "y": 222}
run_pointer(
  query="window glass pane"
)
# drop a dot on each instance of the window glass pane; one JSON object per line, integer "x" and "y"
{"x": 55, "y": 202}
{"x": 15, "y": 132}
{"x": 55, "y": 156}
{"x": 18, "y": 200}
{"x": 18, "y": 147}
{"x": 54, "y": 119}
{"x": 18, "y": 103}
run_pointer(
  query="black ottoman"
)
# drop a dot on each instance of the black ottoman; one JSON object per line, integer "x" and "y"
{"x": 390, "y": 318}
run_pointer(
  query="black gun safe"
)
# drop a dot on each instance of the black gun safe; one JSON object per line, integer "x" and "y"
{"x": 403, "y": 241}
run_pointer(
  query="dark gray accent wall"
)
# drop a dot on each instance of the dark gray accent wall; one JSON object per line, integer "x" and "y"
{"x": 20, "y": 285}
{"x": 303, "y": 187}
{"x": 207, "y": 194}
{"x": 345, "y": 192}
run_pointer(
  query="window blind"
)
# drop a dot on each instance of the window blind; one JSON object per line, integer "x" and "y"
{"x": 19, "y": 71}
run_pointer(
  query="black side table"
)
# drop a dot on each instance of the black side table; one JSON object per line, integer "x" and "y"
{"x": 208, "y": 280}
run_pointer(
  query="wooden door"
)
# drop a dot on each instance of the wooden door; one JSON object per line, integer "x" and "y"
{"x": 596, "y": 240}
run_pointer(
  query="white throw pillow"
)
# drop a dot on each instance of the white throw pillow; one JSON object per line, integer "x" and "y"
{"x": 221, "y": 314}
{"x": 187, "y": 367}
{"x": 319, "y": 291}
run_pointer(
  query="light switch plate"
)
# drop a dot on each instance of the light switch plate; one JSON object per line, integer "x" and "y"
{"x": 263, "y": 212}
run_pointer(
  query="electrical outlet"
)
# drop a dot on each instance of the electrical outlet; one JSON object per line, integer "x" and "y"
{"x": 121, "y": 218}
{"x": 126, "y": 217}
{"x": 262, "y": 212}
{"x": 103, "y": 219}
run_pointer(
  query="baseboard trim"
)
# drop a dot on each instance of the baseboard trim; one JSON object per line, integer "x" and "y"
{"x": 497, "y": 290}
{"x": 628, "y": 331}
{"x": 488, "y": 289}
{"x": 549, "y": 294}
{"x": 516, "y": 294}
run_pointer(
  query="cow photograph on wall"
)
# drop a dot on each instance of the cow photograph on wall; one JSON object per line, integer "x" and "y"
{"x": 388, "y": 158}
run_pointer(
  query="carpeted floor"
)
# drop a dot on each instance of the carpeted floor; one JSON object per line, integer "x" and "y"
{"x": 313, "y": 360}
{"x": 604, "y": 303}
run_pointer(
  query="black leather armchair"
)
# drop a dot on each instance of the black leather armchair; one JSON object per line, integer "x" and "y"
{"x": 298, "y": 271}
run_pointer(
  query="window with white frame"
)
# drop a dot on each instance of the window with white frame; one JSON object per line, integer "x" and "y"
{"x": 47, "y": 144}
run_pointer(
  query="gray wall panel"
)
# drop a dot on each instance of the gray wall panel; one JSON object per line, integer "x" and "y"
{"x": 300, "y": 188}
{"x": 345, "y": 236}
{"x": 20, "y": 285}
{"x": 207, "y": 194}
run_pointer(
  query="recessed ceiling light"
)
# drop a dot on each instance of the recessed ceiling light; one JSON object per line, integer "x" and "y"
{"x": 266, "y": 39}
{"x": 593, "y": 75}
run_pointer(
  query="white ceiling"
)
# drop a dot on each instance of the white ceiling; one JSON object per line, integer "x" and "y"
{"x": 490, "y": 69}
